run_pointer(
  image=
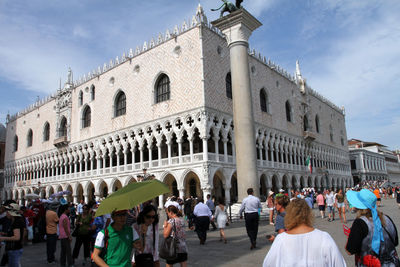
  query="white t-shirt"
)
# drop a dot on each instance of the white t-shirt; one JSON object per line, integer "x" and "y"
{"x": 316, "y": 248}
{"x": 330, "y": 199}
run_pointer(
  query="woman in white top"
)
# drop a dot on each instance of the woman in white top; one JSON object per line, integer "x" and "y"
{"x": 303, "y": 245}
{"x": 222, "y": 218}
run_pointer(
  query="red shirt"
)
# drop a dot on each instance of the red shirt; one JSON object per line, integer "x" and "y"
{"x": 30, "y": 215}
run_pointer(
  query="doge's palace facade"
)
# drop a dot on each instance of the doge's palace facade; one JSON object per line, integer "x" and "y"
{"x": 167, "y": 106}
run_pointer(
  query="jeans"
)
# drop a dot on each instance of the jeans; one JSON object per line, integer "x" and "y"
{"x": 14, "y": 257}
{"x": 51, "y": 243}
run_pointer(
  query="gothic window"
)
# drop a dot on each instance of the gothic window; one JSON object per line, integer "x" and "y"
{"x": 29, "y": 138}
{"x": 15, "y": 143}
{"x": 317, "y": 123}
{"x": 264, "y": 101}
{"x": 288, "y": 109}
{"x": 120, "y": 104}
{"x": 86, "y": 117}
{"x": 305, "y": 123}
{"x": 46, "y": 132}
{"x": 331, "y": 132}
{"x": 63, "y": 127}
{"x": 80, "y": 98}
{"x": 162, "y": 89}
{"x": 92, "y": 92}
{"x": 228, "y": 84}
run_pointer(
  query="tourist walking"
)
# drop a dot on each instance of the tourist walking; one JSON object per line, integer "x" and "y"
{"x": 330, "y": 201}
{"x": 222, "y": 218}
{"x": 202, "y": 219}
{"x": 119, "y": 239}
{"x": 271, "y": 207}
{"x": 175, "y": 227}
{"x": 321, "y": 204}
{"x": 211, "y": 205}
{"x": 14, "y": 235}
{"x": 373, "y": 237}
{"x": 65, "y": 237}
{"x": 340, "y": 203}
{"x": 250, "y": 206}
{"x": 397, "y": 190}
{"x": 281, "y": 203}
{"x": 147, "y": 229}
{"x": 83, "y": 222}
{"x": 302, "y": 244}
{"x": 378, "y": 196}
{"x": 51, "y": 231}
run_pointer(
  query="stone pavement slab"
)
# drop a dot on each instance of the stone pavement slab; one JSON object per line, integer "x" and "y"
{"x": 237, "y": 251}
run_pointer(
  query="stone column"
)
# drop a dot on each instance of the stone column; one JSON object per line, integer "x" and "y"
{"x": 227, "y": 195}
{"x": 75, "y": 198}
{"x": 161, "y": 201}
{"x": 191, "y": 148}
{"x": 237, "y": 28}
{"x": 182, "y": 193}
{"x": 206, "y": 191}
{"x": 205, "y": 148}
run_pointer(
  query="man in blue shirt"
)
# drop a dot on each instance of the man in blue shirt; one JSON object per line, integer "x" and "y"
{"x": 210, "y": 204}
{"x": 251, "y": 205}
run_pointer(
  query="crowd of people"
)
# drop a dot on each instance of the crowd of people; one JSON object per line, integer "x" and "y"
{"x": 132, "y": 237}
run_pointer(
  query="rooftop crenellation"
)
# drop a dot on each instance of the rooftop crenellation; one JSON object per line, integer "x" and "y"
{"x": 198, "y": 19}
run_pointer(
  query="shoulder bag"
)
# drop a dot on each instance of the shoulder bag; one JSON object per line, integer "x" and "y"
{"x": 146, "y": 259}
{"x": 169, "y": 246}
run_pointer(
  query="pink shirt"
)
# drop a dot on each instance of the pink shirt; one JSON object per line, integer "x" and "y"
{"x": 62, "y": 233}
{"x": 320, "y": 200}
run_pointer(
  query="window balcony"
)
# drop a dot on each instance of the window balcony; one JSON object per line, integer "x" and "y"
{"x": 61, "y": 141}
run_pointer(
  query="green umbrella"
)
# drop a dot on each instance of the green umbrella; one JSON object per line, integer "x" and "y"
{"x": 131, "y": 195}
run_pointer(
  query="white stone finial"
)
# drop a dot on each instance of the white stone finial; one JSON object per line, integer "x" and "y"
{"x": 298, "y": 72}
{"x": 130, "y": 52}
{"x": 70, "y": 76}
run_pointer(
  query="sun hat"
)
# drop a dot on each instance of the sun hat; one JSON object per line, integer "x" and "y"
{"x": 361, "y": 199}
{"x": 270, "y": 193}
{"x": 13, "y": 209}
{"x": 365, "y": 199}
{"x": 281, "y": 190}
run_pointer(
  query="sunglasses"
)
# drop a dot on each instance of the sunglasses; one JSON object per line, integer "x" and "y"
{"x": 150, "y": 217}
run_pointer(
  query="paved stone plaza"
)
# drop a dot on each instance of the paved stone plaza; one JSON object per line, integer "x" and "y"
{"x": 236, "y": 252}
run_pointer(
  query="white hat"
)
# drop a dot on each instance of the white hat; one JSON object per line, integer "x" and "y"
{"x": 281, "y": 190}
{"x": 13, "y": 209}
{"x": 270, "y": 193}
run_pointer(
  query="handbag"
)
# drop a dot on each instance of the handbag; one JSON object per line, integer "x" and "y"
{"x": 76, "y": 230}
{"x": 146, "y": 259}
{"x": 169, "y": 246}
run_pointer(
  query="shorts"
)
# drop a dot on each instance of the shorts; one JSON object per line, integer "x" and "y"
{"x": 321, "y": 207}
{"x": 379, "y": 199}
{"x": 340, "y": 205}
{"x": 182, "y": 257}
{"x": 331, "y": 209}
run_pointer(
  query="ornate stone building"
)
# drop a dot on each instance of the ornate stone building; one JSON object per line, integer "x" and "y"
{"x": 373, "y": 161}
{"x": 167, "y": 106}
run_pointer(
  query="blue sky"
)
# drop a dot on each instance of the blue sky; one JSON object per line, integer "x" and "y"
{"x": 349, "y": 51}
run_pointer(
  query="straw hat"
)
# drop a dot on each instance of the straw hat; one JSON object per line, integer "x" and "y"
{"x": 270, "y": 193}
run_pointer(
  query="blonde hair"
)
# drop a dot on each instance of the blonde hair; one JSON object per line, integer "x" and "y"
{"x": 367, "y": 213}
{"x": 298, "y": 212}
